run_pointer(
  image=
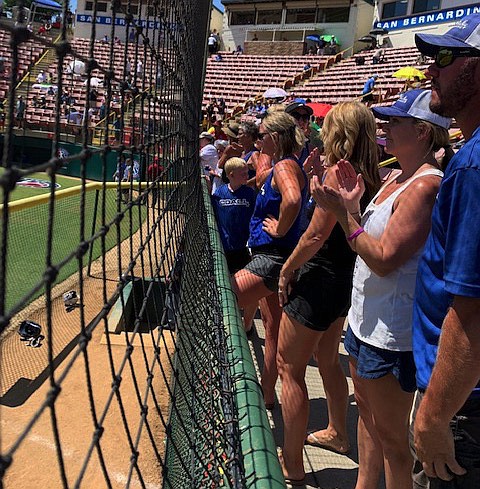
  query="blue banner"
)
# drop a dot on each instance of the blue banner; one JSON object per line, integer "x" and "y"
{"x": 151, "y": 24}
{"x": 437, "y": 17}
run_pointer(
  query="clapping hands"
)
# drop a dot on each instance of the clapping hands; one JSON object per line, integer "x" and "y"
{"x": 350, "y": 190}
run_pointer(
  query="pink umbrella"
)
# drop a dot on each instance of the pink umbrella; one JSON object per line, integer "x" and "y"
{"x": 319, "y": 109}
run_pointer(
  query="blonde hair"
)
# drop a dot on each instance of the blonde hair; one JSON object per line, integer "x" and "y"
{"x": 290, "y": 136}
{"x": 349, "y": 132}
{"x": 233, "y": 164}
{"x": 439, "y": 138}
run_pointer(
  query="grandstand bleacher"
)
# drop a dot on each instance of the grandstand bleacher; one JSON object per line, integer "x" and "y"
{"x": 238, "y": 79}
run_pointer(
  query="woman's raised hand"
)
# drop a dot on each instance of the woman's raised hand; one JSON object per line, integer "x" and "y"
{"x": 313, "y": 165}
{"x": 326, "y": 197}
{"x": 350, "y": 185}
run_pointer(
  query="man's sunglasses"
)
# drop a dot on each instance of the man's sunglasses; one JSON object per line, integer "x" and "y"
{"x": 445, "y": 57}
{"x": 300, "y": 117}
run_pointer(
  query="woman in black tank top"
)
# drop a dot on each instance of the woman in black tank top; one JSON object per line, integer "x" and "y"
{"x": 315, "y": 305}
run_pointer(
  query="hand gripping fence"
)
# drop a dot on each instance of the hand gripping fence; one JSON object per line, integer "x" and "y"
{"x": 123, "y": 358}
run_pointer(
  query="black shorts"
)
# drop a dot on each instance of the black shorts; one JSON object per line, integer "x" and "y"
{"x": 268, "y": 267}
{"x": 237, "y": 259}
{"x": 316, "y": 300}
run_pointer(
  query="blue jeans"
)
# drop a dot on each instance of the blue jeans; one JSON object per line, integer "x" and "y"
{"x": 465, "y": 427}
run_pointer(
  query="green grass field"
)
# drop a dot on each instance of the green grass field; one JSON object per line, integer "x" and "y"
{"x": 27, "y": 236}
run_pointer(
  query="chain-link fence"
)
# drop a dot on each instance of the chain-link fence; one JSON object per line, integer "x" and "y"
{"x": 123, "y": 359}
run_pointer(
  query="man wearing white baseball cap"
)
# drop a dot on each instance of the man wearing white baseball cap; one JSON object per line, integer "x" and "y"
{"x": 446, "y": 317}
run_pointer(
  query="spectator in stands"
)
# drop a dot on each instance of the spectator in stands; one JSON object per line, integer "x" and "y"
{"x": 255, "y": 38}
{"x": 249, "y": 108}
{"x": 220, "y": 146}
{"x": 275, "y": 229}
{"x": 209, "y": 160}
{"x": 129, "y": 83}
{"x": 128, "y": 67}
{"x": 259, "y": 108}
{"x": 20, "y": 112}
{"x": 210, "y": 109}
{"x": 378, "y": 56}
{"x": 333, "y": 45}
{"x": 104, "y": 39}
{"x": 216, "y": 35}
{"x": 243, "y": 146}
{"x": 414, "y": 83}
{"x": 117, "y": 41}
{"x": 239, "y": 50}
{"x": 321, "y": 46}
{"x": 35, "y": 103}
{"x": 74, "y": 116}
{"x": 218, "y": 57}
{"x": 41, "y": 77}
{"x": 51, "y": 90}
{"x": 311, "y": 51}
{"x": 69, "y": 21}
{"x": 315, "y": 304}
{"x": 132, "y": 35}
{"x": 218, "y": 128}
{"x": 233, "y": 204}
{"x": 359, "y": 60}
{"x": 447, "y": 301}
{"x": 103, "y": 109}
{"x": 306, "y": 66}
{"x": 41, "y": 30}
{"x": 301, "y": 112}
{"x": 118, "y": 126}
{"x": 139, "y": 69}
{"x": 422, "y": 59}
{"x": 212, "y": 44}
{"x": 42, "y": 103}
{"x": 368, "y": 89}
{"x": 388, "y": 239}
{"x": 221, "y": 109}
{"x": 93, "y": 95}
{"x": 48, "y": 26}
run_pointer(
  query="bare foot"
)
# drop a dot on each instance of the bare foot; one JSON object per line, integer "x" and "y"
{"x": 326, "y": 440}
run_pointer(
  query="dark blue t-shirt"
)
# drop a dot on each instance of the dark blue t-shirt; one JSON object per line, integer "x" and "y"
{"x": 450, "y": 264}
{"x": 233, "y": 211}
{"x": 268, "y": 203}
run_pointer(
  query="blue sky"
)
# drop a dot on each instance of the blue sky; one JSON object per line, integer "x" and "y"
{"x": 217, "y": 3}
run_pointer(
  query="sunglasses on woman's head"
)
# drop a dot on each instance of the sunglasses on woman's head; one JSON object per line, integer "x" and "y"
{"x": 445, "y": 57}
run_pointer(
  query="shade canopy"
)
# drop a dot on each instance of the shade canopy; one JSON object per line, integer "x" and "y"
{"x": 378, "y": 32}
{"x": 319, "y": 109}
{"x": 409, "y": 72}
{"x": 275, "y": 93}
{"x": 48, "y": 4}
{"x": 367, "y": 39}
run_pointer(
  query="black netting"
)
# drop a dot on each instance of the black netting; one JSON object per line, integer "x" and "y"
{"x": 127, "y": 382}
